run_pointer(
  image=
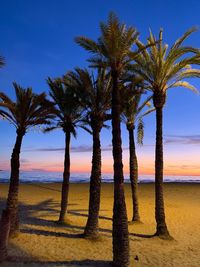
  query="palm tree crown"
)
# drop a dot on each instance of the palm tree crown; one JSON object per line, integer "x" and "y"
{"x": 133, "y": 111}
{"x": 113, "y": 47}
{"x": 164, "y": 68}
{"x": 28, "y": 110}
{"x": 68, "y": 110}
{"x": 94, "y": 95}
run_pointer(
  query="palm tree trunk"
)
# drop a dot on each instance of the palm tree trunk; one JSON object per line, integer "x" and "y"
{"x": 120, "y": 224}
{"x": 92, "y": 227}
{"x": 4, "y": 234}
{"x": 66, "y": 175}
{"x": 159, "y": 199}
{"x": 133, "y": 167}
{"x": 12, "y": 200}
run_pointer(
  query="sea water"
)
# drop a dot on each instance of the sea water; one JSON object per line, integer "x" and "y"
{"x": 56, "y": 177}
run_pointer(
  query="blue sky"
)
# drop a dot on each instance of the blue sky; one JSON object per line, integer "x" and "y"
{"x": 37, "y": 41}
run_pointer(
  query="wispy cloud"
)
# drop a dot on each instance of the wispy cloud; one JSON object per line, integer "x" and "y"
{"x": 24, "y": 161}
{"x": 38, "y": 170}
{"x": 184, "y": 166}
{"x": 183, "y": 139}
{"x": 74, "y": 149}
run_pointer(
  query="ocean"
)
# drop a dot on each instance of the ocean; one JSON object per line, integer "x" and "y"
{"x": 56, "y": 177}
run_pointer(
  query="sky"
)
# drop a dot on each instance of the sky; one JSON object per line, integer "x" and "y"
{"x": 37, "y": 41}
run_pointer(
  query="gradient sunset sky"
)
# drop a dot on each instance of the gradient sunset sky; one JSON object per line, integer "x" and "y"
{"x": 37, "y": 41}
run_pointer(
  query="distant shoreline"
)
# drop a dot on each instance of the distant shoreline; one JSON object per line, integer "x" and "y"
{"x": 47, "y": 177}
{"x": 87, "y": 183}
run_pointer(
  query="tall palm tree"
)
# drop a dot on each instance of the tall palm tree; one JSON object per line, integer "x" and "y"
{"x": 133, "y": 114}
{"x": 113, "y": 51}
{"x": 68, "y": 118}
{"x": 162, "y": 69}
{"x": 29, "y": 110}
{"x": 95, "y": 97}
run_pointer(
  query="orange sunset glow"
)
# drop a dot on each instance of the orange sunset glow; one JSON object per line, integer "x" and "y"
{"x": 174, "y": 164}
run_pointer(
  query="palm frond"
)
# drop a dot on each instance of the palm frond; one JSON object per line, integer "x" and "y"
{"x": 185, "y": 85}
{"x": 145, "y": 103}
{"x": 92, "y": 92}
{"x": 2, "y": 62}
{"x": 28, "y": 110}
{"x": 86, "y": 129}
{"x": 179, "y": 42}
{"x": 161, "y": 68}
{"x": 50, "y": 129}
{"x": 140, "y": 132}
{"x": 113, "y": 48}
{"x": 147, "y": 112}
{"x": 67, "y": 109}
{"x": 87, "y": 44}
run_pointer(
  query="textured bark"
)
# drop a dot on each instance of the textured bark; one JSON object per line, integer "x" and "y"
{"x": 12, "y": 200}
{"x": 133, "y": 168}
{"x": 92, "y": 227}
{"x": 66, "y": 175}
{"x": 4, "y": 234}
{"x": 120, "y": 223}
{"x": 159, "y": 199}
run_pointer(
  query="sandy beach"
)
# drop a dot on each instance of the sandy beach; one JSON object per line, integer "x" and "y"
{"x": 41, "y": 242}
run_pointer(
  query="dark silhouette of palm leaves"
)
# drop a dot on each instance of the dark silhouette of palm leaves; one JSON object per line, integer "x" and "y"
{"x": 94, "y": 95}
{"x": 68, "y": 110}
{"x": 28, "y": 110}
{"x": 113, "y": 47}
{"x": 134, "y": 111}
{"x": 2, "y": 62}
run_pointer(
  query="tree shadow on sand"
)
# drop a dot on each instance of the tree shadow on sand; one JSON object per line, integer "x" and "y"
{"x": 30, "y": 214}
{"x": 74, "y": 263}
{"x": 50, "y": 233}
{"x": 142, "y": 235}
{"x": 34, "y": 217}
{"x": 78, "y": 213}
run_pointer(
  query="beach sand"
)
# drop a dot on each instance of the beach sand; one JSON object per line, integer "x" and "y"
{"x": 43, "y": 243}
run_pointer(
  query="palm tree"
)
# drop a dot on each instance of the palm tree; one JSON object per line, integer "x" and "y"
{"x": 29, "y": 110}
{"x": 95, "y": 97}
{"x": 162, "y": 69}
{"x": 133, "y": 113}
{"x": 68, "y": 118}
{"x": 113, "y": 51}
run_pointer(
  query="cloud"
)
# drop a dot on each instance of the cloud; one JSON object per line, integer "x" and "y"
{"x": 60, "y": 149}
{"x": 24, "y": 161}
{"x": 183, "y": 139}
{"x": 38, "y": 170}
{"x": 74, "y": 149}
{"x": 44, "y": 149}
{"x": 185, "y": 167}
